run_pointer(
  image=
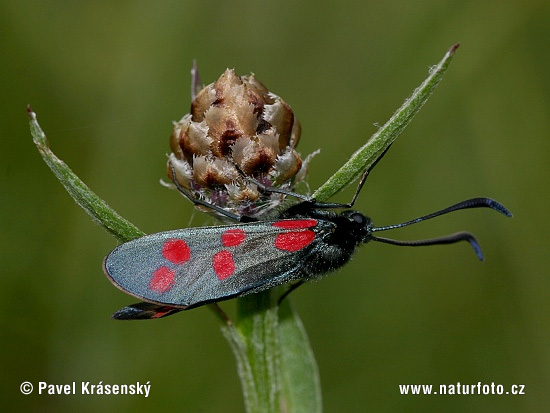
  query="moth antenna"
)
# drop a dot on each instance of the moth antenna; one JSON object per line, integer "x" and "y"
{"x": 469, "y": 203}
{"x": 446, "y": 239}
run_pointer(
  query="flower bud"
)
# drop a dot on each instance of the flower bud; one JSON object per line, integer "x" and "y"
{"x": 237, "y": 129}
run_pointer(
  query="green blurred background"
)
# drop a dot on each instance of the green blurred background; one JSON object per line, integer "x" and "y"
{"x": 107, "y": 79}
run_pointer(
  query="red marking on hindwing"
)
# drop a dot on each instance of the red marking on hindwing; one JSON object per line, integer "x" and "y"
{"x": 163, "y": 280}
{"x": 233, "y": 237}
{"x": 295, "y": 223}
{"x": 223, "y": 264}
{"x": 161, "y": 312}
{"x": 176, "y": 251}
{"x": 294, "y": 241}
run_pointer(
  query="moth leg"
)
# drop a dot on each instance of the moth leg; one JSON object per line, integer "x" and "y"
{"x": 220, "y": 313}
{"x": 362, "y": 181}
{"x": 289, "y": 290}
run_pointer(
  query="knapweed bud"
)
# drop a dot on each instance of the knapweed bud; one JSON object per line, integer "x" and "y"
{"x": 237, "y": 129}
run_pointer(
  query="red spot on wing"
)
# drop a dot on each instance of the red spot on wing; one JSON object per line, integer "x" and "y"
{"x": 176, "y": 251}
{"x": 294, "y": 241}
{"x": 295, "y": 223}
{"x": 163, "y": 280}
{"x": 233, "y": 237}
{"x": 223, "y": 264}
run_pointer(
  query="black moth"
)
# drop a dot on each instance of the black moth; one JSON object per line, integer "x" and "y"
{"x": 186, "y": 268}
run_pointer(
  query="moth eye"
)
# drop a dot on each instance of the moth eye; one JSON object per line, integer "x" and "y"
{"x": 359, "y": 218}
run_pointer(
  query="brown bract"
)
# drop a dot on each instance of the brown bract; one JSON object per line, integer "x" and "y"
{"x": 236, "y": 126}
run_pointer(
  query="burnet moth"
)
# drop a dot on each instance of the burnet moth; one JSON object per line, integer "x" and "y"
{"x": 185, "y": 268}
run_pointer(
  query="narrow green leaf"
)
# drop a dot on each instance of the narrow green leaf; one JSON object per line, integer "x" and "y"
{"x": 386, "y": 135}
{"x": 244, "y": 368}
{"x": 98, "y": 209}
{"x": 300, "y": 382}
